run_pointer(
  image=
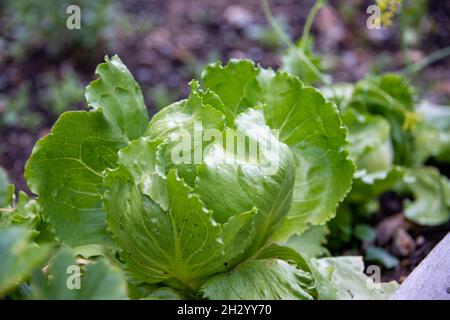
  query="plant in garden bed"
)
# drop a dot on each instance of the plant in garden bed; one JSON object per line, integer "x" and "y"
{"x": 214, "y": 225}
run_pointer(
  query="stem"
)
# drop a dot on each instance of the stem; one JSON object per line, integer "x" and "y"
{"x": 423, "y": 63}
{"x": 7, "y": 210}
{"x": 309, "y": 21}
{"x": 290, "y": 44}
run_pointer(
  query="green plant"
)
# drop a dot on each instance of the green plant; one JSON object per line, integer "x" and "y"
{"x": 391, "y": 136}
{"x": 109, "y": 184}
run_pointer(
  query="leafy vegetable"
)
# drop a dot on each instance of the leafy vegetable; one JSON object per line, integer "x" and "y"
{"x": 260, "y": 280}
{"x": 66, "y": 167}
{"x": 181, "y": 222}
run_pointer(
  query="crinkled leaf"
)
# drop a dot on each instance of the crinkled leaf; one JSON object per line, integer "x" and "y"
{"x": 66, "y": 171}
{"x": 184, "y": 243}
{"x": 231, "y": 83}
{"x": 308, "y": 124}
{"x": 242, "y": 178}
{"x": 119, "y": 96}
{"x": 266, "y": 279}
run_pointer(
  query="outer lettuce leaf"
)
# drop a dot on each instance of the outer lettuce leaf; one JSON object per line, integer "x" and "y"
{"x": 66, "y": 168}
{"x": 66, "y": 171}
{"x": 266, "y": 279}
{"x": 119, "y": 96}
{"x": 431, "y": 196}
{"x": 308, "y": 124}
{"x": 346, "y": 276}
{"x": 99, "y": 280}
{"x": 231, "y": 84}
{"x": 183, "y": 244}
{"x": 18, "y": 256}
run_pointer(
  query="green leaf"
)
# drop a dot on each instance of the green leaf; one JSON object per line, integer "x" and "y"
{"x": 380, "y": 255}
{"x": 65, "y": 281}
{"x": 119, "y": 96}
{"x": 307, "y": 123}
{"x": 66, "y": 171}
{"x": 311, "y": 242}
{"x": 231, "y": 83}
{"x": 183, "y": 243}
{"x": 430, "y": 191}
{"x": 18, "y": 256}
{"x": 346, "y": 276}
{"x": 266, "y": 279}
{"x": 265, "y": 181}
